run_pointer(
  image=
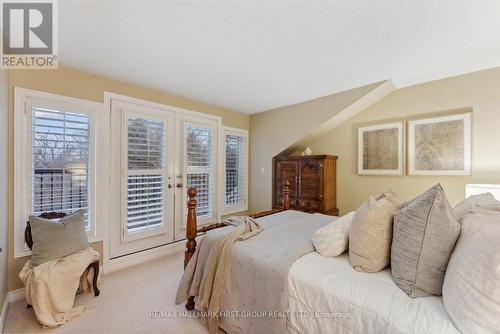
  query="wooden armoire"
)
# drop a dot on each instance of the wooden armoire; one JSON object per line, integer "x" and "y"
{"x": 312, "y": 183}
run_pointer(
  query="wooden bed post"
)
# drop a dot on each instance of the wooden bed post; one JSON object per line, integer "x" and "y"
{"x": 191, "y": 232}
{"x": 286, "y": 196}
{"x": 191, "y": 226}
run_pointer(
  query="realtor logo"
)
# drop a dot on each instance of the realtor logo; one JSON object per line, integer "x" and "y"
{"x": 29, "y": 34}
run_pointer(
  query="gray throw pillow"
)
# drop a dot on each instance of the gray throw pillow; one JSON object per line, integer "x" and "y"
{"x": 473, "y": 202}
{"x": 424, "y": 235}
{"x": 56, "y": 239}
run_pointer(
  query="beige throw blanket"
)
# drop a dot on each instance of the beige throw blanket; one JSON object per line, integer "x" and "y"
{"x": 212, "y": 284}
{"x": 51, "y": 286}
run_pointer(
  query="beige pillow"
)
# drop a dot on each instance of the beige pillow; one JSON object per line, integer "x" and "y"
{"x": 371, "y": 233}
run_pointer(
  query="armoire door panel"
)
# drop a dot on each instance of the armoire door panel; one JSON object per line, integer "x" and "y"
{"x": 311, "y": 179}
{"x": 287, "y": 171}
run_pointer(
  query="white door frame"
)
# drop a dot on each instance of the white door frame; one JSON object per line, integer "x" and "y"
{"x": 160, "y": 251}
{"x": 122, "y": 243}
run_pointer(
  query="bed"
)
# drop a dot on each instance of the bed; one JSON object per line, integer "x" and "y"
{"x": 320, "y": 294}
{"x": 343, "y": 300}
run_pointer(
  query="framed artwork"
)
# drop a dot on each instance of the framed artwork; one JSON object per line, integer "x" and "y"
{"x": 440, "y": 145}
{"x": 381, "y": 149}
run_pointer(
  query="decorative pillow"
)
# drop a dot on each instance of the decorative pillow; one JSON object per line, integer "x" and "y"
{"x": 56, "y": 239}
{"x": 473, "y": 202}
{"x": 471, "y": 289}
{"x": 425, "y": 233}
{"x": 371, "y": 233}
{"x": 332, "y": 240}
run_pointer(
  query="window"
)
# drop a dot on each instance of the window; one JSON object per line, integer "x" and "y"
{"x": 146, "y": 174}
{"x": 236, "y": 170}
{"x": 61, "y": 161}
{"x": 200, "y": 166}
{"x": 55, "y": 159}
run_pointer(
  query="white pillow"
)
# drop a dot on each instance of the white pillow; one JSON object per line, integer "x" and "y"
{"x": 332, "y": 239}
{"x": 471, "y": 288}
{"x": 473, "y": 202}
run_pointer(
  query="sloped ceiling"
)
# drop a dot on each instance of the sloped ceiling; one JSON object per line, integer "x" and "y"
{"x": 253, "y": 56}
{"x": 281, "y": 130}
{"x": 377, "y": 93}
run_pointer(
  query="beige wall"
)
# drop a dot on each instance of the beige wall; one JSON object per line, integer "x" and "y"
{"x": 273, "y": 131}
{"x": 3, "y": 187}
{"x": 479, "y": 90}
{"x": 74, "y": 83}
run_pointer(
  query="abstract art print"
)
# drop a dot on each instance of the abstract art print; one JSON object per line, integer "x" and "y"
{"x": 380, "y": 149}
{"x": 440, "y": 145}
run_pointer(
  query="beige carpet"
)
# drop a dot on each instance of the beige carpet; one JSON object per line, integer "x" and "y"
{"x": 127, "y": 299}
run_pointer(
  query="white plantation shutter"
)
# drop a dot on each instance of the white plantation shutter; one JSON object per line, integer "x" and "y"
{"x": 61, "y": 150}
{"x": 236, "y": 178}
{"x": 146, "y": 152}
{"x": 200, "y": 166}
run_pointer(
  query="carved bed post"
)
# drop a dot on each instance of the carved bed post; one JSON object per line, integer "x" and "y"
{"x": 191, "y": 226}
{"x": 191, "y": 232}
{"x": 286, "y": 196}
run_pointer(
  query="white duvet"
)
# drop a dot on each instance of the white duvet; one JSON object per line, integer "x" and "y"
{"x": 327, "y": 296}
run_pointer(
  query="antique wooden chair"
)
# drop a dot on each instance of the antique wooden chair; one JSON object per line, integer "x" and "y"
{"x": 58, "y": 215}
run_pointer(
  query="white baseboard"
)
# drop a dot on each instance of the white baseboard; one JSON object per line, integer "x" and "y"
{"x": 16, "y": 295}
{"x": 12, "y": 296}
{"x": 4, "y": 314}
{"x": 144, "y": 256}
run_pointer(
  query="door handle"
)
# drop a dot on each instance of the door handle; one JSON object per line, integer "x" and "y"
{"x": 179, "y": 185}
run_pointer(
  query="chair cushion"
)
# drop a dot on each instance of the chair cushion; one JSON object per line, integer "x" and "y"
{"x": 332, "y": 240}
{"x": 371, "y": 233}
{"x": 56, "y": 239}
{"x": 473, "y": 202}
{"x": 425, "y": 233}
{"x": 471, "y": 289}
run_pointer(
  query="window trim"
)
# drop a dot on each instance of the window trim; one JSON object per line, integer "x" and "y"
{"x": 227, "y": 130}
{"x": 22, "y": 161}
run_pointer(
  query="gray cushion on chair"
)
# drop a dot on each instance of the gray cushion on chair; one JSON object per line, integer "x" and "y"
{"x": 425, "y": 234}
{"x": 56, "y": 239}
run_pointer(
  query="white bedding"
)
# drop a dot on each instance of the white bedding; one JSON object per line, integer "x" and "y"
{"x": 355, "y": 302}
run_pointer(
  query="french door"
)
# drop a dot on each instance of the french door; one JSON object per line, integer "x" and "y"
{"x": 196, "y": 163}
{"x": 156, "y": 155}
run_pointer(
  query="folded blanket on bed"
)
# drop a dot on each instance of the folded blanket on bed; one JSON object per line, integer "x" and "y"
{"x": 256, "y": 278}
{"x": 212, "y": 283}
{"x": 51, "y": 286}
{"x": 238, "y": 220}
